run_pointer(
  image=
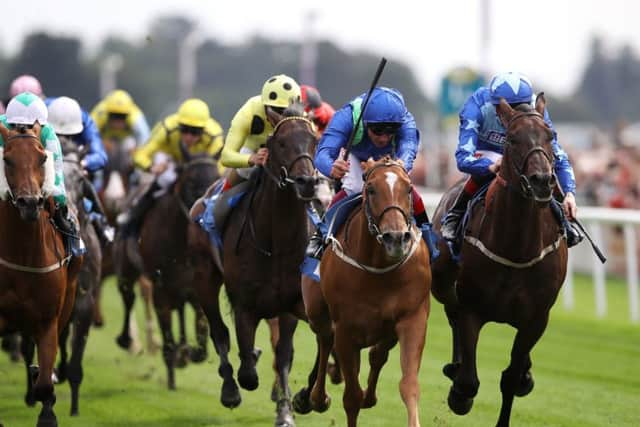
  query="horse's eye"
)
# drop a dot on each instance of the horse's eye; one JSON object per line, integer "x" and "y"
{"x": 371, "y": 191}
{"x": 8, "y": 162}
{"x": 43, "y": 160}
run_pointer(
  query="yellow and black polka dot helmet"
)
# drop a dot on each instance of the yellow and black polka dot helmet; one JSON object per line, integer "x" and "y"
{"x": 280, "y": 91}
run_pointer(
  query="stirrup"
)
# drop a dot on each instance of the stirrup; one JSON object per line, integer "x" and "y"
{"x": 315, "y": 246}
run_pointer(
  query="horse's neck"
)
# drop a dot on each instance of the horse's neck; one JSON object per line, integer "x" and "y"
{"x": 281, "y": 214}
{"x": 360, "y": 244}
{"x": 23, "y": 241}
{"x": 515, "y": 224}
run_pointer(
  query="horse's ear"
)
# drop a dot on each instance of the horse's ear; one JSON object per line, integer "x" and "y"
{"x": 4, "y": 132}
{"x": 505, "y": 112}
{"x": 273, "y": 117}
{"x": 370, "y": 163}
{"x": 540, "y": 103}
{"x": 37, "y": 129}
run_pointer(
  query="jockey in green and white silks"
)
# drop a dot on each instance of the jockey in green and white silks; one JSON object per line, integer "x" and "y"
{"x": 27, "y": 109}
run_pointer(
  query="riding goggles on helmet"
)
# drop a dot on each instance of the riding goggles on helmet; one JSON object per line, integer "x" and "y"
{"x": 383, "y": 128}
{"x": 193, "y": 130}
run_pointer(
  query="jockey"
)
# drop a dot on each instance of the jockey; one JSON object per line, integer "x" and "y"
{"x": 25, "y": 83}
{"x": 319, "y": 111}
{"x": 70, "y": 121}
{"x": 387, "y": 128}
{"x": 120, "y": 120}
{"x": 190, "y": 129}
{"x": 24, "y": 111}
{"x": 250, "y": 128}
{"x": 481, "y": 143}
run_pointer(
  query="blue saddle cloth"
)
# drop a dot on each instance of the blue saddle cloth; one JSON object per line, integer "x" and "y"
{"x": 206, "y": 219}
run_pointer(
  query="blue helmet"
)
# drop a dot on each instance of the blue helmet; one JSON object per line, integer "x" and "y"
{"x": 385, "y": 106}
{"x": 513, "y": 87}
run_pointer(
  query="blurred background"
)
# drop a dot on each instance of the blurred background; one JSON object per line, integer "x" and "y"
{"x": 585, "y": 58}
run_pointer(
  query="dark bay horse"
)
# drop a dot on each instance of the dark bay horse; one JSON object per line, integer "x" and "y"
{"x": 264, "y": 244}
{"x": 37, "y": 279}
{"x": 373, "y": 292}
{"x": 513, "y": 261}
{"x": 168, "y": 263}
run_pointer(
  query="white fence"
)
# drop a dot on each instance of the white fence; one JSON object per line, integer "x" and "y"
{"x": 593, "y": 219}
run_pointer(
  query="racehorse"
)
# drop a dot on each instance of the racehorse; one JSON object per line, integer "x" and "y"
{"x": 373, "y": 292}
{"x": 264, "y": 243}
{"x": 37, "y": 279}
{"x": 513, "y": 260}
{"x": 164, "y": 248}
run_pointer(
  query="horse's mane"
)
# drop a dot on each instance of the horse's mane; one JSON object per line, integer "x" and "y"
{"x": 294, "y": 110}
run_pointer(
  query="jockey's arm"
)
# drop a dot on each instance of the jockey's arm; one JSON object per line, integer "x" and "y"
{"x": 96, "y": 158}
{"x": 140, "y": 128}
{"x": 562, "y": 166}
{"x": 333, "y": 139}
{"x": 470, "y": 120}
{"x": 238, "y": 132}
{"x": 52, "y": 144}
{"x": 407, "y": 142}
{"x": 143, "y": 156}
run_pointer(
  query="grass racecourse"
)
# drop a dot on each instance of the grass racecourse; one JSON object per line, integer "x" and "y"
{"x": 587, "y": 373}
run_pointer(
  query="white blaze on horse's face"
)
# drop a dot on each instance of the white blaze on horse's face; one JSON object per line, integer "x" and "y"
{"x": 392, "y": 178}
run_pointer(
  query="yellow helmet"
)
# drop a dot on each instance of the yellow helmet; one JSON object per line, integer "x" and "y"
{"x": 280, "y": 91}
{"x": 119, "y": 102}
{"x": 193, "y": 112}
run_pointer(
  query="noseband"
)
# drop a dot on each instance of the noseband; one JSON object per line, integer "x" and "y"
{"x": 373, "y": 221}
{"x": 285, "y": 177}
{"x": 525, "y": 189}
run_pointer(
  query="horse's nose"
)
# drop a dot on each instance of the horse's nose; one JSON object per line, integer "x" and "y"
{"x": 305, "y": 186}
{"x": 542, "y": 180}
{"x": 30, "y": 202}
{"x": 306, "y": 180}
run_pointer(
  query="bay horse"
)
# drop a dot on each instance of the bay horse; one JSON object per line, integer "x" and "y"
{"x": 513, "y": 260}
{"x": 168, "y": 263}
{"x": 264, "y": 244}
{"x": 37, "y": 279}
{"x": 373, "y": 292}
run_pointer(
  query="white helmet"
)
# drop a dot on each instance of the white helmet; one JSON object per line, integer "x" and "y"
{"x": 26, "y": 109}
{"x": 65, "y": 115}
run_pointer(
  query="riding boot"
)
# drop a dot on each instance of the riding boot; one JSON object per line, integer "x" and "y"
{"x": 315, "y": 246}
{"x": 451, "y": 221}
{"x": 574, "y": 235}
{"x": 131, "y": 220}
{"x": 67, "y": 224}
{"x": 97, "y": 215}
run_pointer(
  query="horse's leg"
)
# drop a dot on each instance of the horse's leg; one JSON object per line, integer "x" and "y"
{"x": 209, "y": 299}
{"x": 378, "y": 355}
{"x": 182, "y": 350}
{"x": 333, "y": 369}
{"x": 274, "y": 335}
{"x": 83, "y": 315}
{"x": 27, "y": 348}
{"x": 11, "y": 344}
{"x": 199, "y": 353}
{"x": 284, "y": 360}
{"x": 146, "y": 290}
{"x": 411, "y": 334}
{"x": 516, "y": 379}
{"x": 450, "y": 370}
{"x": 465, "y": 385}
{"x": 61, "y": 373}
{"x": 163, "y": 311}
{"x": 98, "y": 318}
{"x": 246, "y": 324}
{"x": 125, "y": 286}
{"x": 47, "y": 344}
{"x": 349, "y": 358}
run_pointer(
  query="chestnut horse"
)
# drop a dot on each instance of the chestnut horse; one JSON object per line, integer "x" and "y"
{"x": 513, "y": 260}
{"x": 37, "y": 279}
{"x": 373, "y": 292}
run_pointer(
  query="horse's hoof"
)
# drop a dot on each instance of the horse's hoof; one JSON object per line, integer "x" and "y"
{"x": 197, "y": 354}
{"x": 182, "y": 358}
{"x": 334, "y": 373}
{"x": 284, "y": 418}
{"x": 230, "y": 397}
{"x": 248, "y": 378}
{"x": 60, "y": 374}
{"x": 124, "y": 341}
{"x": 301, "y": 402}
{"x": 369, "y": 401}
{"x": 98, "y": 322}
{"x": 450, "y": 370}
{"x": 29, "y": 400}
{"x": 47, "y": 418}
{"x": 322, "y": 407}
{"x": 525, "y": 386}
{"x": 459, "y": 404}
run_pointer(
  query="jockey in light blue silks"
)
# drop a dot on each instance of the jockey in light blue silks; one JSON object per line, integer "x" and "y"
{"x": 70, "y": 121}
{"x": 481, "y": 143}
{"x": 387, "y": 128}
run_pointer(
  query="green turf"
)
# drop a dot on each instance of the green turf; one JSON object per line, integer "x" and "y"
{"x": 587, "y": 373}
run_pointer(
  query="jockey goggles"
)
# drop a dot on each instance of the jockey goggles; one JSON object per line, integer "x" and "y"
{"x": 387, "y": 128}
{"x": 193, "y": 130}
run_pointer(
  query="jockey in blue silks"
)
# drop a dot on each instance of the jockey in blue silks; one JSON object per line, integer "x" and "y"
{"x": 387, "y": 128}
{"x": 481, "y": 143}
{"x": 71, "y": 121}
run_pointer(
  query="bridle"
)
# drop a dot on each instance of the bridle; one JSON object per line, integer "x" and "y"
{"x": 285, "y": 179}
{"x": 372, "y": 220}
{"x": 525, "y": 189}
{"x": 11, "y": 138}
